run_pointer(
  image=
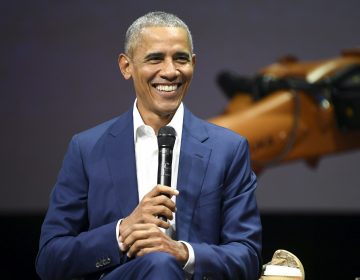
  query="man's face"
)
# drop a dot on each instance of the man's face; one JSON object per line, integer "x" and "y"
{"x": 161, "y": 67}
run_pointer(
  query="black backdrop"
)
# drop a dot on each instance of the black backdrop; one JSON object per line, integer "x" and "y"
{"x": 58, "y": 76}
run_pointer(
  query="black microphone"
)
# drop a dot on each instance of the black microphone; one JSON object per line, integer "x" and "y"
{"x": 166, "y": 140}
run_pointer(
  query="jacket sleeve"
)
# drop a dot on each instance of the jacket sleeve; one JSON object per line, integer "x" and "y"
{"x": 67, "y": 247}
{"x": 238, "y": 254}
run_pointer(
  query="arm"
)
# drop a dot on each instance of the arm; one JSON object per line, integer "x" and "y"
{"x": 67, "y": 247}
{"x": 70, "y": 246}
{"x": 237, "y": 256}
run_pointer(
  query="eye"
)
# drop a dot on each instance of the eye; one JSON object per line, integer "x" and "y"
{"x": 154, "y": 58}
{"x": 184, "y": 58}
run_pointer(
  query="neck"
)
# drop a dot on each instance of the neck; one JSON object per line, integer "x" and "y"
{"x": 156, "y": 122}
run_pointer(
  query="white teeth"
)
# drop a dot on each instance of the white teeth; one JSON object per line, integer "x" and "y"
{"x": 166, "y": 87}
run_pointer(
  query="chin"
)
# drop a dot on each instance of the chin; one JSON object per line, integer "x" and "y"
{"x": 167, "y": 110}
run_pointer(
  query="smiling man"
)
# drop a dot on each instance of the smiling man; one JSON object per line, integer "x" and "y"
{"x": 103, "y": 220}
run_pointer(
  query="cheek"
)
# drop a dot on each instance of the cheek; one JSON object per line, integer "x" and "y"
{"x": 149, "y": 72}
{"x": 141, "y": 81}
{"x": 188, "y": 73}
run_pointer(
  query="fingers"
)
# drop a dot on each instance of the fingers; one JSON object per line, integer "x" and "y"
{"x": 149, "y": 208}
{"x": 126, "y": 231}
{"x": 155, "y": 203}
{"x": 148, "y": 202}
{"x": 160, "y": 198}
{"x": 140, "y": 232}
{"x": 147, "y": 238}
{"x": 141, "y": 236}
{"x": 152, "y": 218}
{"x": 163, "y": 200}
{"x": 163, "y": 190}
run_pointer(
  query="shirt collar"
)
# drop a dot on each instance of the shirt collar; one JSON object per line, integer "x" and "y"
{"x": 140, "y": 127}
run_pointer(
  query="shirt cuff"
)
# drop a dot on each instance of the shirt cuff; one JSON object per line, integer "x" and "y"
{"x": 121, "y": 245}
{"x": 190, "y": 264}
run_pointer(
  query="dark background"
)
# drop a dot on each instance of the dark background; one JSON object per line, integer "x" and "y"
{"x": 59, "y": 75}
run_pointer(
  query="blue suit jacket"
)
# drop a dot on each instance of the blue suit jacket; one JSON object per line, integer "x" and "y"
{"x": 216, "y": 209}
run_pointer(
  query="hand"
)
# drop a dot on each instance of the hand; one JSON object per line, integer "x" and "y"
{"x": 154, "y": 204}
{"x": 141, "y": 239}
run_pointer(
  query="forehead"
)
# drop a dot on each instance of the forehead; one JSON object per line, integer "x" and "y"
{"x": 162, "y": 39}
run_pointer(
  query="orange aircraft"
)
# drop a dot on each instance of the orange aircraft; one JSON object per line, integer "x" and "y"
{"x": 295, "y": 110}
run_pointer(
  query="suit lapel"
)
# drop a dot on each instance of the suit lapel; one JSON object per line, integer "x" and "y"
{"x": 120, "y": 153}
{"x": 194, "y": 157}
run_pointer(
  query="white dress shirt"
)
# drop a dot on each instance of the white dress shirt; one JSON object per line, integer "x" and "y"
{"x": 146, "y": 155}
{"x": 147, "y": 151}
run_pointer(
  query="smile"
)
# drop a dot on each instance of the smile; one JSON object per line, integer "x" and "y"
{"x": 167, "y": 88}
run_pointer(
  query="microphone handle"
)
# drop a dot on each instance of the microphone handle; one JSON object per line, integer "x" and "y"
{"x": 164, "y": 169}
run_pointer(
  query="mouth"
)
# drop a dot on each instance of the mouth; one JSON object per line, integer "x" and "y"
{"x": 167, "y": 88}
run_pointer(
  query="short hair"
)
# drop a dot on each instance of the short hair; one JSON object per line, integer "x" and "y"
{"x": 153, "y": 19}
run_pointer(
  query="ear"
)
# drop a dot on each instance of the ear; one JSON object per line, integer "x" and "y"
{"x": 124, "y": 65}
{"x": 193, "y": 59}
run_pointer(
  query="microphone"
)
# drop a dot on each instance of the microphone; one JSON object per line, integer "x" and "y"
{"x": 166, "y": 140}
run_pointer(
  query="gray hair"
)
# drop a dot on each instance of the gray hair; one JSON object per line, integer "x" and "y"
{"x": 152, "y": 19}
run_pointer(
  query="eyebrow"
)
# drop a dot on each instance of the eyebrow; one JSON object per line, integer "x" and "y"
{"x": 160, "y": 55}
{"x": 182, "y": 54}
{"x": 155, "y": 55}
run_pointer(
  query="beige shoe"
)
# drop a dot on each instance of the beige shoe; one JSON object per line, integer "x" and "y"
{"x": 283, "y": 266}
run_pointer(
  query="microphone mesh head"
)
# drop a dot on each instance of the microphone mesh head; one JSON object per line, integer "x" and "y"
{"x": 166, "y": 137}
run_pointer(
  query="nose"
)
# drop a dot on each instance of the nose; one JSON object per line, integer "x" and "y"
{"x": 169, "y": 70}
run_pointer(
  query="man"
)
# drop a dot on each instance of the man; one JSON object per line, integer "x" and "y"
{"x": 104, "y": 213}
